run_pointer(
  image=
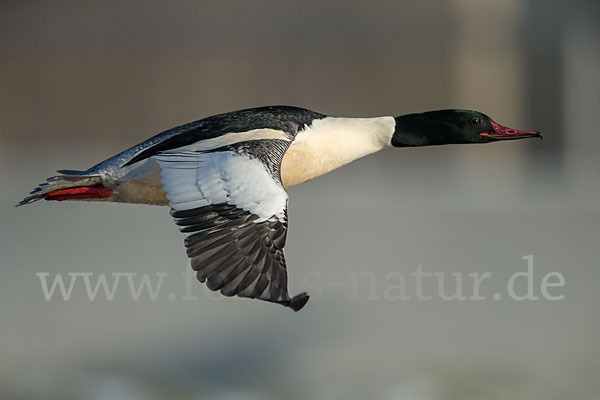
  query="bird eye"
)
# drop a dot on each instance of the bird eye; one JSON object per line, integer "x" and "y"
{"x": 475, "y": 121}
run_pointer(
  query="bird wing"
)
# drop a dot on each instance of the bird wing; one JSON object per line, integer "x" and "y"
{"x": 232, "y": 207}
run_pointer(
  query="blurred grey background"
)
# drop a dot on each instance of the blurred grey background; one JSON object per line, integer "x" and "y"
{"x": 80, "y": 81}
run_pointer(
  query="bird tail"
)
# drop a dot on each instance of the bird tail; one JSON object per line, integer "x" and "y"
{"x": 70, "y": 185}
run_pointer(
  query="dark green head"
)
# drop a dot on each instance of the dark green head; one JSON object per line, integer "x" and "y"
{"x": 452, "y": 127}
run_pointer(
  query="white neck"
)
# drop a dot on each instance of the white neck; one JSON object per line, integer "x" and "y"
{"x": 330, "y": 143}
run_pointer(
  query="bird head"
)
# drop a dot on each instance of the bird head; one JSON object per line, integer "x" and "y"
{"x": 452, "y": 127}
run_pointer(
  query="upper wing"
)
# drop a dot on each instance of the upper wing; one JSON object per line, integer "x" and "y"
{"x": 232, "y": 207}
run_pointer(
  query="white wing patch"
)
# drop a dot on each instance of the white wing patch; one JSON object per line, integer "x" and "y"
{"x": 193, "y": 180}
{"x": 235, "y": 137}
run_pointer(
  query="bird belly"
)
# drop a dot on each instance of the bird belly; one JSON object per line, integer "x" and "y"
{"x": 139, "y": 193}
{"x": 140, "y": 185}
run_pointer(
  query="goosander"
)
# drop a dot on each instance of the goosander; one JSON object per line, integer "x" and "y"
{"x": 224, "y": 179}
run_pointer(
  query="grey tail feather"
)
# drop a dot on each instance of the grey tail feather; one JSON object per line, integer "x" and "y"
{"x": 72, "y": 172}
{"x": 69, "y": 179}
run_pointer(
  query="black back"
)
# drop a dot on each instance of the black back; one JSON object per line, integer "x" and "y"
{"x": 285, "y": 118}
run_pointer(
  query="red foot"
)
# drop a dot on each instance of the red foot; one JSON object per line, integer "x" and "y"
{"x": 82, "y": 192}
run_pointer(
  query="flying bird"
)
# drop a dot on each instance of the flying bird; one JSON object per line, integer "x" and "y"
{"x": 224, "y": 179}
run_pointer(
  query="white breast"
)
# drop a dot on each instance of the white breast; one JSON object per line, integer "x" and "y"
{"x": 330, "y": 143}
